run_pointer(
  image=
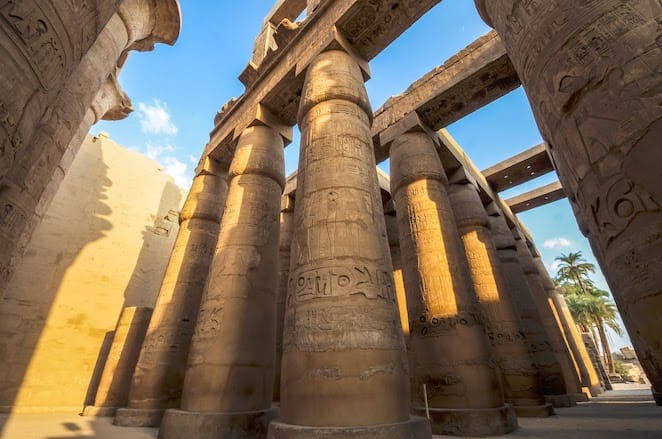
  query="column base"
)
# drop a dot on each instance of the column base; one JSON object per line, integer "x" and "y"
{"x": 128, "y": 417}
{"x": 181, "y": 424}
{"x": 534, "y": 411}
{"x": 585, "y": 396}
{"x": 560, "y": 401}
{"x": 414, "y": 428}
{"x": 657, "y": 396}
{"x": 471, "y": 422}
{"x": 99, "y": 412}
{"x": 593, "y": 390}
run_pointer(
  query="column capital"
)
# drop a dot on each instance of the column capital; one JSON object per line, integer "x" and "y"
{"x": 150, "y": 21}
{"x": 264, "y": 117}
{"x": 111, "y": 103}
{"x": 410, "y": 123}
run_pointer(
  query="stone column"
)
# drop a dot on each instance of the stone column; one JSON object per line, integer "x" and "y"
{"x": 228, "y": 388}
{"x": 553, "y": 382}
{"x": 521, "y": 379}
{"x": 136, "y": 25}
{"x": 589, "y": 375}
{"x": 595, "y": 94}
{"x": 548, "y": 319}
{"x": 286, "y": 228}
{"x": 398, "y": 282}
{"x": 159, "y": 374}
{"x": 113, "y": 389}
{"x": 450, "y": 351}
{"x": 344, "y": 370}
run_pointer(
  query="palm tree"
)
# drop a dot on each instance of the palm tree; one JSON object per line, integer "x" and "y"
{"x": 574, "y": 268}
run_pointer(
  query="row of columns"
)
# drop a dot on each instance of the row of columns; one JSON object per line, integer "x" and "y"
{"x": 229, "y": 335}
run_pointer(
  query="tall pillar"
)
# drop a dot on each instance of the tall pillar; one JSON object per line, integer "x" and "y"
{"x": 286, "y": 228}
{"x": 398, "y": 282}
{"x": 452, "y": 359}
{"x": 157, "y": 381}
{"x": 136, "y": 25}
{"x": 595, "y": 94}
{"x": 228, "y": 387}
{"x": 521, "y": 379}
{"x": 553, "y": 382}
{"x": 113, "y": 389}
{"x": 344, "y": 370}
{"x": 550, "y": 323}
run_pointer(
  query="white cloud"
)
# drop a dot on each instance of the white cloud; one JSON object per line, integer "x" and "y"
{"x": 192, "y": 159}
{"x": 554, "y": 266}
{"x": 155, "y": 152}
{"x": 155, "y": 119}
{"x": 178, "y": 170}
{"x": 559, "y": 242}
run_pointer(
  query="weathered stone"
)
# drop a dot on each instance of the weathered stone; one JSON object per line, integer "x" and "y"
{"x": 521, "y": 379}
{"x": 398, "y": 282}
{"x": 452, "y": 360}
{"x": 548, "y": 318}
{"x": 595, "y": 93}
{"x": 113, "y": 389}
{"x": 159, "y": 374}
{"x": 344, "y": 366}
{"x": 553, "y": 383}
{"x": 229, "y": 379}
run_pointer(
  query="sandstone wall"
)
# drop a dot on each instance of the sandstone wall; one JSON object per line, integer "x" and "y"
{"x": 102, "y": 245}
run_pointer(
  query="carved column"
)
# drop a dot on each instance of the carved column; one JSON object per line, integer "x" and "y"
{"x": 228, "y": 388}
{"x": 595, "y": 93}
{"x": 548, "y": 319}
{"x": 344, "y": 370}
{"x": 451, "y": 353}
{"x": 113, "y": 389}
{"x": 137, "y": 25}
{"x": 159, "y": 374}
{"x": 521, "y": 379}
{"x": 286, "y": 228}
{"x": 398, "y": 282}
{"x": 553, "y": 382}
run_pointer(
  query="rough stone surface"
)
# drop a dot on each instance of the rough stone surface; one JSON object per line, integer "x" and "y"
{"x": 475, "y": 422}
{"x": 595, "y": 93}
{"x": 113, "y": 388}
{"x": 415, "y": 428}
{"x": 344, "y": 363}
{"x": 180, "y": 424}
{"x": 521, "y": 379}
{"x": 159, "y": 374}
{"x": 451, "y": 356}
{"x": 99, "y": 259}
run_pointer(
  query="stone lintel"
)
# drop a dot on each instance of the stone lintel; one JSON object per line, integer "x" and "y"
{"x": 411, "y": 122}
{"x": 519, "y": 169}
{"x": 476, "y": 76}
{"x": 279, "y": 88}
{"x": 285, "y": 9}
{"x": 536, "y": 198}
{"x": 266, "y": 118}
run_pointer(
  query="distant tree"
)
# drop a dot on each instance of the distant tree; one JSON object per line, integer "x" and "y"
{"x": 575, "y": 269}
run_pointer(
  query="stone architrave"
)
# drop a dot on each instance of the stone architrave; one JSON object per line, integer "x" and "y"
{"x": 135, "y": 25}
{"x": 553, "y": 381}
{"x": 595, "y": 94}
{"x": 549, "y": 320}
{"x": 521, "y": 379}
{"x": 286, "y": 226}
{"x": 228, "y": 388}
{"x": 344, "y": 371}
{"x": 159, "y": 373}
{"x": 587, "y": 373}
{"x": 113, "y": 389}
{"x": 451, "y": 355}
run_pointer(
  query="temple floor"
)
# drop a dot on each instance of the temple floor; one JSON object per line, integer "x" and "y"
{"x": 627, "y": 412}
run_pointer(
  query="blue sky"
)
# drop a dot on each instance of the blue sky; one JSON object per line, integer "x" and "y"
{"x": 176, "y": 91}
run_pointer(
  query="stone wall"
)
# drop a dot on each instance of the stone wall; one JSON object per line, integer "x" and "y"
{"x": 102, "y": 245}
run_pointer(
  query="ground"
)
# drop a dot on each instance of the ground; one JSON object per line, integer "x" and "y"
{"x": 627, "y": 412}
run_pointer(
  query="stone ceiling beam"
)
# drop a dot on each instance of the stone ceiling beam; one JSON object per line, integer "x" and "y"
{"x": 369, "y": 26}
{"x": 536, "y": 198}
{"x": 471, "y": 79}
{"x": 519, "y": 169}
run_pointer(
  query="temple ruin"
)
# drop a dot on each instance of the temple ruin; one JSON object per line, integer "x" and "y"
{"x": 339, "y": 301}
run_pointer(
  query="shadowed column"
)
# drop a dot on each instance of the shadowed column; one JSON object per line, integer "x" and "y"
{"x": 451, "y": 355}
{"x": 228, "y": 388}
{"x": 113, "y": 389}
{"x": 548, "y": 319}
{"x": 159, "y": 375}
{"x": 595, "y": 93}
{"x": 553, "y": 382}
{"x": 521, "y": 379}
{"x": 344, "y": 369}
{"x": 286, "y": 226}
